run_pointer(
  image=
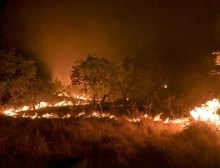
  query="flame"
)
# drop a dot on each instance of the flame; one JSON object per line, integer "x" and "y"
{"x": 206, "y": 112}
{"x": 63, "y": 103}
{"x": 157, "y": 117}
{"x": 50, "y": 115}
{"x": 42, "y": 105}
{"x": 14, "y": 112}
{"x": 217, "y": 59}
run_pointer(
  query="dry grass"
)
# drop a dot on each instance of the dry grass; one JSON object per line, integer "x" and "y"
{"x": 106, "y": 143}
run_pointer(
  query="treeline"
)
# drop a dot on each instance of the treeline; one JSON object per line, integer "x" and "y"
{"x": 135, "y": 84}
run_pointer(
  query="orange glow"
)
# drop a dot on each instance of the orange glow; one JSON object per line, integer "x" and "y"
{"x": 206, "y": 112}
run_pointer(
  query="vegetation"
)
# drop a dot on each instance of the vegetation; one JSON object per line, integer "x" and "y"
{"x": 96, "y": 77}
{"x": 18, "y": 77}
{"x": 92, "y": 142}
{"x": 20, "y": 81}
{"x": 106, "y": 143}
{"x": 134, "y": 83}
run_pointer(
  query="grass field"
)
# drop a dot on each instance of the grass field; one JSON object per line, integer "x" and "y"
{"x": 93, "y": 142}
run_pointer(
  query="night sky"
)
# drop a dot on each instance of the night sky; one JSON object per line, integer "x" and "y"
{"x": 180, "y": 34}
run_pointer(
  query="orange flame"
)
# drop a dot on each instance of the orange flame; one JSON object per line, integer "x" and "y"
{"x": 207, "y": 113}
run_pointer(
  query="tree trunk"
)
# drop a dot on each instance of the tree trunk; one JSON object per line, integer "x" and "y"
{"x": 94, "y": 102}
{"x": 103, "y": 99}
{"x": 33, "y": 97}
{"x": 33, "y": 101}
{"x": 100, "y": 103}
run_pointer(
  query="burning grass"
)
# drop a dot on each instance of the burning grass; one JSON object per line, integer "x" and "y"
{"x": 75, "y": 136}
{"x": 94, "y": 142}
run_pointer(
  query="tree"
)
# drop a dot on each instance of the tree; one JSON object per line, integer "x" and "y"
{"x": 18, "y": 77}
{"x": 127, "y": 76}
{"x": 141, "y": 79}
{"x": 95, "y": 76}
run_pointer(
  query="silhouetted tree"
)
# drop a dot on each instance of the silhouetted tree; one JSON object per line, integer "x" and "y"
{"x": 141, "y": 79}
{"x": 18, "y": 77}
{"x": 127, "y": 77}
{"x": 96, "y": 76}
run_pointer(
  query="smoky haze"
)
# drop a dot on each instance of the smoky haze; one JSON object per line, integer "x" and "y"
{"x": 60, "y": 32}
{"x": 178, "y": 33}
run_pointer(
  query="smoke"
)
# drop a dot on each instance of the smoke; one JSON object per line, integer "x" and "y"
{"x": 178, "y": 34}
{"x": 60, "y": 32}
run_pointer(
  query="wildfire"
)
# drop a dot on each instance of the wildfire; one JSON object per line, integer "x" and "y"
{"x": 13, "y": 112}
{"x": 206, "y": 112}
{"x": 217, "y": 59}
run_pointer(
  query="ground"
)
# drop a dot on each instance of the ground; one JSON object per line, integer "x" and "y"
{"x": 96, "y": 142}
